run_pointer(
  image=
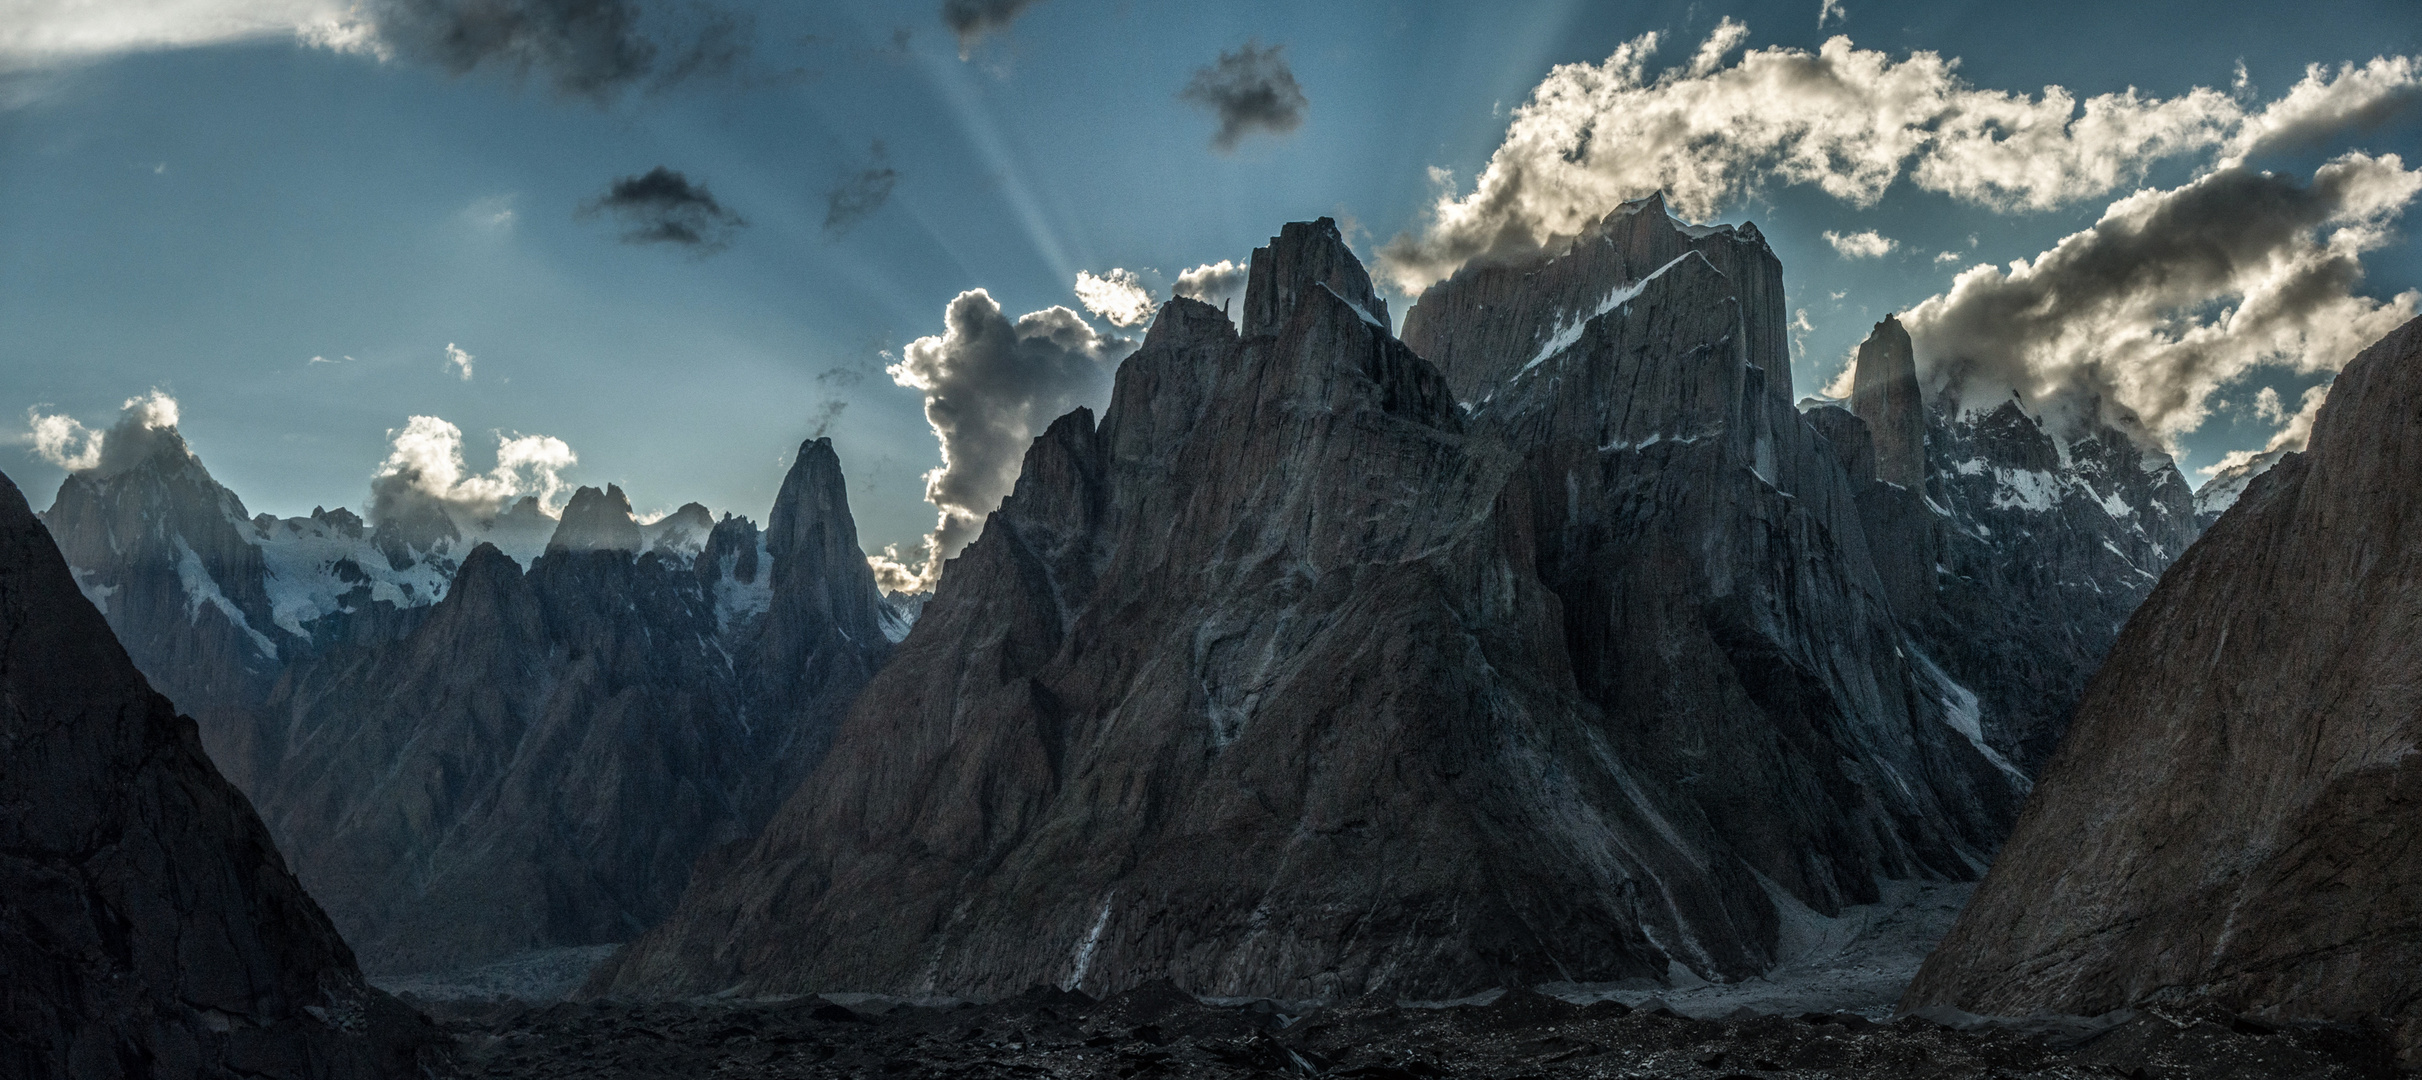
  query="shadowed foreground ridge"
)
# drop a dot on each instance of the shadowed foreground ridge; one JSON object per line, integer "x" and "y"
{"x": 1296, "y": 676}
{"x": 2235, "y": 810}
{"x": 147, "y": 926}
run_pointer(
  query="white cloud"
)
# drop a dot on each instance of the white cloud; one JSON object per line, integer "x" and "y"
{"x": 63, "y": 440}
{"x": 1848, "y": 121}
{"x": 1946, "y": 257}
{"x": 2325, "y": 103}
{"x": 459, "y": 360}
{"x": 52, "y": 33}
{"x": 2175, "y": 293}
{"x": 1218, "y": 284}
{"x": 1831, "y": 9}
{"x": 1119, "y": 296}
{"x": 1865, "y": 244}
{"x": 144, "y": 422}
{"x": 2295, "y": 429}
{"x": 425, "y": 464}
{"x": 499, "y": 212}
{"x": 991, "y": 385}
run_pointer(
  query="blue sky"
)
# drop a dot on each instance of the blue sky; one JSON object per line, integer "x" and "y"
{"x": 206, "y": 219}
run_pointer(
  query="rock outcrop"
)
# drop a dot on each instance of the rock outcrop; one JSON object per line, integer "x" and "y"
{"x": 1885, "y": 394}
{"x": 147, "y": 926}
{"x": 540, "y": 761}
{"x": 2016, "y": 553}
{"x": 1295, "y": 676}
{"x": 2233, "y": 812}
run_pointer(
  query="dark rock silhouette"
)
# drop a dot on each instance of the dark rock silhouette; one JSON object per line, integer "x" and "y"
{"x": 147, "y": 926}
{"x": 1295, "y": 677}
{"x": 2232, "y": 813}
{"x": 540, "y": 762}
{"x": 1885, "y": 394}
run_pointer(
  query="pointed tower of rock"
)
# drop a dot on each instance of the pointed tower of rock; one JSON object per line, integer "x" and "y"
{"x": 1884, "y": 393}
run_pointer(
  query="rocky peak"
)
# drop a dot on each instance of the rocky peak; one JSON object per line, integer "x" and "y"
{"x": 2232, "y": 813}
{"x": 152, "y": 928}
{"x": 1884, "y": 393}
{"x": 1495, "y": 315}
{"x": 1305, "y": 256}
{"x": 343, "y": 522}
{"x": 596, "y": 521}
{"x": 682, "y": 534}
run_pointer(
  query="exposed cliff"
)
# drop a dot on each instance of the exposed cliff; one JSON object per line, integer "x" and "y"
{"x": 2233, "y": 811}
{"x": 540, "y": 761}
{"x": 147, "y": 926}
{"x": 1293, "y": 676}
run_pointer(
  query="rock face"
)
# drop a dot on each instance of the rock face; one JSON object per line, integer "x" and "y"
{"x": 541, "y": 760}
{"x": 147, "y": 926}
{"x": 2234, "y": 810}
{"x": 2016, "y": 554}
{"x": 1295, "y": 677}
{"x": 1884, "y": 393}
{"x": 479, "y": 737}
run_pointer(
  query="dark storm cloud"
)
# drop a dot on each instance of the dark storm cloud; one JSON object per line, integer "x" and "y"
{"x": 586, "y": 48}
{"x": 663, "y": 207}
{"x": 1249, "y": 90}
{"x": 861, "y": 194}
{"x": 972, "y": 20}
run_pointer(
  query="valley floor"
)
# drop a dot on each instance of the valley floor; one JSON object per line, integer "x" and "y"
{"x": 1157, "y": 1031}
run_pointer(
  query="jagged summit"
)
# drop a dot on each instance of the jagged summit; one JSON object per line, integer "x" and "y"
{"x": 1493, "y": 316}
{"x": 1884, "y": 393}
{"x": 1290, "y": 677}
{"x": 150, "y": 927}
{"x": 2233, "y": 812}
{"x": 1305, "y": 256}
{"x": 596, "y": 521}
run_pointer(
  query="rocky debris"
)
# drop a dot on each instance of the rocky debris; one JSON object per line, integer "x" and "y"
{"x": 147, "y": 926}
{"x": 1156, "y": 1030}
{"x": 1884, "y": 393}
{"x": 1296, "y": 677}
{"x": 2233, "y": 811}
{"x": 542, "y": 759}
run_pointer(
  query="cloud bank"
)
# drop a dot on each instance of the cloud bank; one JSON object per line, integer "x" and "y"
{"x": 146, "y": 423}
{"x": 594, "y": 49}
{"x": 1217, "y": 284}
{"x": 2176, "y": 293}
{"x": 424, "y": 471}
{"x": 1247, "y": 91}
{"x": 663, "y": 207}
{"x": 1118, "y": 297}
{"x": 991, "y": 385}
{"x": 1848, "y": 121}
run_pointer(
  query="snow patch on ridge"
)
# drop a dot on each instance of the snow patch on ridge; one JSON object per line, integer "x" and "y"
{"x": 1566, "y": 335}
{"x": 201, "y": 588}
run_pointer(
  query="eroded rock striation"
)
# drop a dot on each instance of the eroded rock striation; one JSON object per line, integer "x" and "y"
{"x": 1298, "y": 676}
{"x": 147, "y": 926}
{"x": 2233, "y": 811}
